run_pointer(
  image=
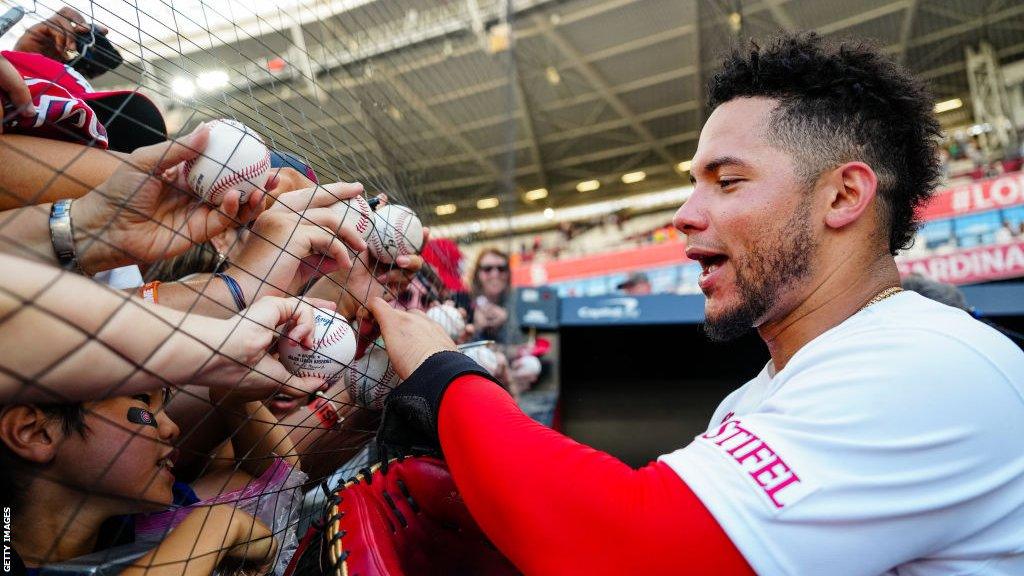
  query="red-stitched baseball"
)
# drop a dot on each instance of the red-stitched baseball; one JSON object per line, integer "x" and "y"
{"x": 396, "y": 231}
{"x": 333, "y": 350}
{"x": 371, "y": 378}
{"x": 235, "y": 158}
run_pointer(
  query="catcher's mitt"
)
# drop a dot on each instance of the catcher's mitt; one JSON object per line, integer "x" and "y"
{"x": 402, "y": 517}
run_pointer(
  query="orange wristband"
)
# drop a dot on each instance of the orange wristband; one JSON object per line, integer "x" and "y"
{"x": 149, "y": 292}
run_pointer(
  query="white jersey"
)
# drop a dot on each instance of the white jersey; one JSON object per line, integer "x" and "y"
{"x": 893, "y": 443}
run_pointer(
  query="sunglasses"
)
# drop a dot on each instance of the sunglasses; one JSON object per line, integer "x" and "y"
{"x": 489, "y": 269}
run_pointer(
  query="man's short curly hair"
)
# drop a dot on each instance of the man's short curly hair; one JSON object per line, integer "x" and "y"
{"x": 842, "y": 103}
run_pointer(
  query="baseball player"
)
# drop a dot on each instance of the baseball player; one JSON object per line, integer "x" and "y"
{"x": 886, "y": 434}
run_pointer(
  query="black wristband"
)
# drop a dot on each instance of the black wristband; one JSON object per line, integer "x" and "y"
{"x": 410, "y": 420}
{"x": 446, "y": 366}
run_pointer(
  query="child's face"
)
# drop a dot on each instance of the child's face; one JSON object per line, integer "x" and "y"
{"x": 127, "y": 453}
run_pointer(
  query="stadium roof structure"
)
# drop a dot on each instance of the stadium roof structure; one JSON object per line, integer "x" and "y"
{"x": 442, "y": 102}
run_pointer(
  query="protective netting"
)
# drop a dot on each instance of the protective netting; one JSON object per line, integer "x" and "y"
{"x": 335, "y": 98}
{"x": 490, "y": 119}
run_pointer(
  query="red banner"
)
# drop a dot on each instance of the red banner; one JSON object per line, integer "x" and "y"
{"x": 969, "y": 266}
{"x": 1002, "y": 192}
{"x": 640, "y": 258}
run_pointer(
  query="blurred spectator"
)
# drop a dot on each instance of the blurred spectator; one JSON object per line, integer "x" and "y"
{"x": 1004, "y": 235}
{"x": 947, "y": 294}
{"x": 493, "y": 320}
{"x": 637, "y": 284}
{"x": 445, "y": 257}
{"x": 491, "y": 286}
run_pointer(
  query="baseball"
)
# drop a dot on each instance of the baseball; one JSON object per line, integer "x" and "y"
{"x": 334, "y": 347}
{"x": 356, "y": 215}
{"x": 371, "y": 377}
{"x": 483, "y": 356}
{"x": 235, "y": 158}
{"x": 396, "y": 231}
{"x": 449, "y": 318}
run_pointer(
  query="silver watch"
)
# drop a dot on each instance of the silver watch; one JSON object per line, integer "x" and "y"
{"x": 62, "y": 234}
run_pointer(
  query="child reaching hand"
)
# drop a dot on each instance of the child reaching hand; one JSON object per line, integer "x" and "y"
{"x": 68, "y": 470}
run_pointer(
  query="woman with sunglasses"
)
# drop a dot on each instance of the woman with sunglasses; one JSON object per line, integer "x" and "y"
{"x": 493, "y": 320}
{"x": 490, "y": 290}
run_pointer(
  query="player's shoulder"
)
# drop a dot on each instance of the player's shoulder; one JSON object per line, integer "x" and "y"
{"x": 914, "y": 354}
{"x": 911, "y": 332}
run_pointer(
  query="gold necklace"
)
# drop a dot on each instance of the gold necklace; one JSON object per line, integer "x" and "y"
{"x": 890, "y": 291}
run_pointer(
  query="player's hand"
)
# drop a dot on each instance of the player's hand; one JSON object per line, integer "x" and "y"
{"x": 14, "y": 93}
{"x": 145, "y": 212}
{"x": 411, "y": 411}
{"x": 298, "y": 239}
{"x": 411, "y": 337}
{"x": 240, "y": 346}
{"x": 55, "y": 36}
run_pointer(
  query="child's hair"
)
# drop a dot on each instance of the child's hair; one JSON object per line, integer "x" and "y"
{"x": 15, "y": 471}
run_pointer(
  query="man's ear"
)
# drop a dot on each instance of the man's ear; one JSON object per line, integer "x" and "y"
{"x": 29, "y": 433}
{"x": 853, "y": 186}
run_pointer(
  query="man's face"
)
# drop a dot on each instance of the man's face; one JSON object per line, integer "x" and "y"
{"x": 126, "y": 456}
{"x": 748, "y": 222}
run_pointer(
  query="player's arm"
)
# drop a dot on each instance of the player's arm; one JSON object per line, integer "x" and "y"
{"x": 48, "y": 170}
{"x": 553, "y": 506}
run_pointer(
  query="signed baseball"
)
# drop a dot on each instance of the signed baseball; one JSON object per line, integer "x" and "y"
{"x": 371, "y": 378}
{"x": 356, "y": 215}
{"x": 396, "y": 231}
{"x": 334, "y": 347}
{"x": 235, "y": 158}
{"x": 449, "y": 318}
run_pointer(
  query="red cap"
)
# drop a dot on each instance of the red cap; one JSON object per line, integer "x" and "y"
{"x": 68, "y": 108}
{"x": 445, "y": 257}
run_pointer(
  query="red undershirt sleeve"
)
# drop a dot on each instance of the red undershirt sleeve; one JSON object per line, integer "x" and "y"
{"x": 556, "y": 507}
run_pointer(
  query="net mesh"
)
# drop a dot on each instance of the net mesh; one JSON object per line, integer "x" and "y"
{"x": 327, "y": 85}
{"x": 437, "y": 105}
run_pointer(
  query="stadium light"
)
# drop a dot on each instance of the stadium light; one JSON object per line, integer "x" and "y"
{"x": 549, "y": 213}
{"x": 445, "y": 209}
{"x": 634, "y": 177}
{"x": 684, "y": 166}
{"x": 554, "y": 78}
{"x": 534, "y": 195}
{"x": 183, "y": 87}
{"x": 588, "y": 186}
{"x": 212, "y": 80}
{"x": 487, "y": 203}
{"x": 947, "y": 105}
